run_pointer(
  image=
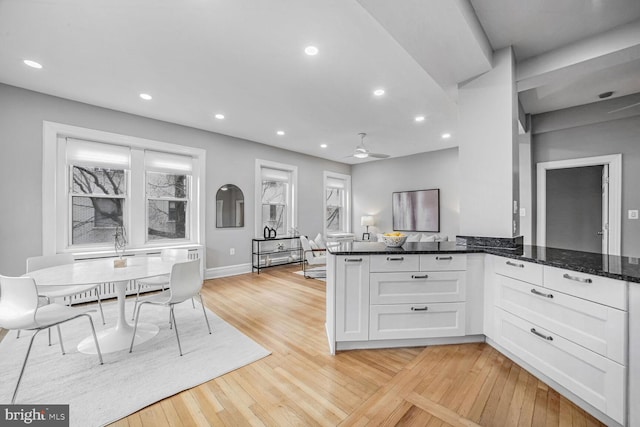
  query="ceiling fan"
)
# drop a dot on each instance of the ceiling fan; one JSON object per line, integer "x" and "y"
{"x": 362, "y": 152}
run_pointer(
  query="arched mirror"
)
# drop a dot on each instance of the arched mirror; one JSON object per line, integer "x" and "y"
{"x": 229, "y": 207}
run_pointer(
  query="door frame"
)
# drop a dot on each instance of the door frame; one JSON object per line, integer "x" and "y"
{"x": 614, "y": 161}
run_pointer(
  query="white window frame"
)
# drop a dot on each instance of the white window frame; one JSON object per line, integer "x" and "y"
{"x": 292, "y": 194}
{"x": 346, "y": 221}
{"x": 55, "y": 226}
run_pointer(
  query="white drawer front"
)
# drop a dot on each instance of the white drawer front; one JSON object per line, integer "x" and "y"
{"x": 417, "y": 287}
{"x": 417, "y": 320}
{"x": 521, "y": 270}
{"x": 597, "y": 327}
{"x": 398, "y": 262}
{"x": 594, "y": 288}
{"x": 596, "y": 379}
{"x": 443, "y": 262}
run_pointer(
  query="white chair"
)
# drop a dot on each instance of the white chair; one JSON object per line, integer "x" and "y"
{"x": 314, "y": 257}
{"x": 160, "y": 282}
{"x": 46, "y": 261}
{"x": 185, "y": 283}
{"x": 20, "y": 309}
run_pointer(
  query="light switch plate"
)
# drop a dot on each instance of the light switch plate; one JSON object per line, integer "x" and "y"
{"x": 523, "y": 212}
{"x": 633, "y": 214}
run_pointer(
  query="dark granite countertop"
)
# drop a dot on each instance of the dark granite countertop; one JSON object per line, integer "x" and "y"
{"x": 615, "y": 267}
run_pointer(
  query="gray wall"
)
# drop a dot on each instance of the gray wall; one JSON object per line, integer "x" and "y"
{"x": 567, "y": 134}
{"x": 373, "y": 183}
{"x": 574, "y": 208}
{"x": 229, "y": 161}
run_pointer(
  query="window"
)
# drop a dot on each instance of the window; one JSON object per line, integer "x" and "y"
{"x": 337, "y": 198}
{"x": 97, "y": 176}
{"x": 167, "y": 194}
{"x": 95, "y": 181}
{"x": 276, "y": 198}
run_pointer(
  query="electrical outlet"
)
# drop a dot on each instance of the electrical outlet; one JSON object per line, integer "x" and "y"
{"x": 633, "y": 214}
{"x": 633, "y": 260}
{"x": 523, "y": 212}
{"x": 232, "y": 251}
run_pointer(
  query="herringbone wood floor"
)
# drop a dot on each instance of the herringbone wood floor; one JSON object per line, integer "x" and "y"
{"x": 300, "y": 384}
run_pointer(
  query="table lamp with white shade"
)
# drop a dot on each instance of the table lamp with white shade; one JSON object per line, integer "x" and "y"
{"x": 366, "y": 220}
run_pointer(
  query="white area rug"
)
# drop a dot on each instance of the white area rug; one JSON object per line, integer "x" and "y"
{"x": 127, "y": 382}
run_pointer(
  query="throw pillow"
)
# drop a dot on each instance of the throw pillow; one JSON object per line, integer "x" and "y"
{"x": 431, "y": 238}
{"x": 320, "y": 241}
{"x": 414, "y": 237}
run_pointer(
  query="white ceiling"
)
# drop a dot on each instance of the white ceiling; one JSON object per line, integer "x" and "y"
{"x": 245, "y": 59}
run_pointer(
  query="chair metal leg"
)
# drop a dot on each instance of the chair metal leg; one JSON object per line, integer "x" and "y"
{"x": 95, "y": 338}
{"x": 59, "y": 338}
{"x": 100, "y": 305}
{"x": 135, "y": 305}
{"x": 24, "y": 364}
{"x": 173, "y": 316}
{"x": 135, "y": 327}
{"x": 18, "y": 334}
{"x": 193, "y": 304}
{"x": 49, "y": 333}
{"x": 205, "y": 313}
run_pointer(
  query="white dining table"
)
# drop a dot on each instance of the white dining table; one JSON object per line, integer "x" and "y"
{"x": 103, "y": 271}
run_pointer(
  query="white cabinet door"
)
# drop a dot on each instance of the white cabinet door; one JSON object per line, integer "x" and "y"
{"x": 597, "y": 327}
{"x": 352, "y": 298}
{"x": 417, "y": 287}
{"x": 596, "y": 379}
{"x": 521, "y": 270}
{"x": 593, "y": 288}
{"x": 442, "y": 262}
{"x": 397, "y": 321}
{"x": 395, "y": 262}
{"x": 634, "y": 354}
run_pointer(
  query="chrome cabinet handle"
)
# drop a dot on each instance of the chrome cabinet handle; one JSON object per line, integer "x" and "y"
{"x": 577, "y": 279}
{"x": 513, "y": 264}
{"x": 536, "y": 292}
{"x": 353, "y": 260}
{"x": 425, "y": 308}
{"x": 390, "y": 258}
{"x": 546, "y": 337}
{"x": 444, "y": 258}
{"x": 414, "y": 276}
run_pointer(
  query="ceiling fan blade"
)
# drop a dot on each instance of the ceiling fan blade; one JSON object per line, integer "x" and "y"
{"x": 624, "y": 108}
{"x": 378, "y": 155}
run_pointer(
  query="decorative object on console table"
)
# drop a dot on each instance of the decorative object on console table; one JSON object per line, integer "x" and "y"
{"x": 120, "y": 243}
{"x": 366, "y": 221}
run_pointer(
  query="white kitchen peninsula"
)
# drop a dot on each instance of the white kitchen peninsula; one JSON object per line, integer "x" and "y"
{"x": 571, "y": 318}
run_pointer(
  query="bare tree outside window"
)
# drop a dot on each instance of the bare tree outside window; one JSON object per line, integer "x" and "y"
{"x": 334, "y": 209}
{"x": 167, "y": 203}
{"x": 274, "y": 205}
{"x": 97, "y": 201}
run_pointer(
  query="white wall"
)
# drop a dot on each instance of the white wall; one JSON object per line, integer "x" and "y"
{"x": 229, "y": 161}
{"x": 489, "y": 158}
{"x": 373, "y": 183}
{"x": 589, "y": 131}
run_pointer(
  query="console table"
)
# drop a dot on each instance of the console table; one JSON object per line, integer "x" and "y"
{"x": 273, "y": 252}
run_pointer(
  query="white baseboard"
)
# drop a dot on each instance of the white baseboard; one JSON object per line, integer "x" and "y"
{"x": 228, "y": 270}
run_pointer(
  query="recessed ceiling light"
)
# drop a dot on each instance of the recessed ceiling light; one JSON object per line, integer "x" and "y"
{"x": 419, "y": 118}
{"x": 280, "y": 132}
{"x": 32, "y": 64}
{"x": 311, "y": 50}
{"x": 323, "y": 145}
{"x": 446, "y": 135}
{"x": 378, "y": 92}
{"x": 219, "y": 116}
{"x": 146, "y": 96}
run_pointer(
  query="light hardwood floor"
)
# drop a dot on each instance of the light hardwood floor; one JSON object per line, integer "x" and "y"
{"x": 300, "y": 384}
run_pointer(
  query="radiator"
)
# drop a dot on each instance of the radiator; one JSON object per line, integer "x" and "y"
{"x": 108, "y": 290}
